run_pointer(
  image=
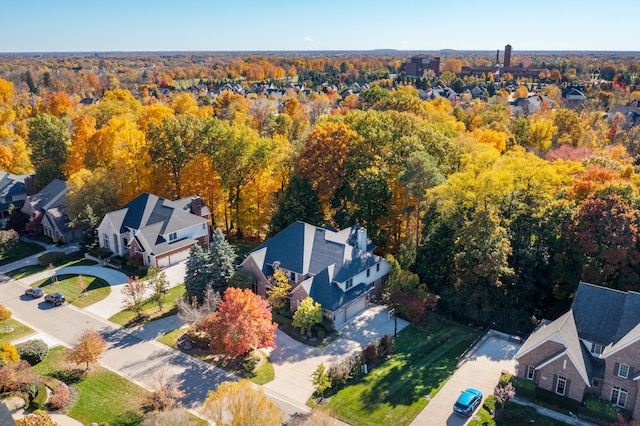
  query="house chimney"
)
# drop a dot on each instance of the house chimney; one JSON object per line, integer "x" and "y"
{"x": 196, "y": 205}
{"x": 507, "y": 56}
{"x": 362, "y": 239}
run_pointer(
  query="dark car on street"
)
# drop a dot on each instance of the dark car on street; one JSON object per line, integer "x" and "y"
{"x": 467, "y": 402}
{"x": 34, "y": 292}
{"x": 55, "y": 298}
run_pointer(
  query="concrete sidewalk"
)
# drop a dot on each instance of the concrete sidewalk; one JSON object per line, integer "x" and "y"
{"x": 33, "y": 259}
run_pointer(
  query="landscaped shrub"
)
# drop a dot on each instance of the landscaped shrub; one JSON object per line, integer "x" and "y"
{"x": 60, "y": 397}
{"x": 8, "y": 353}
{"x": 386, "y": 344}
{"x": 370, "y": 354}
{"x": 514, "y": 413}
{"x": 40, "y": 400}
{"x": 596, "y": 408}
{"x": 54, "y": 257}
{"x": 340, "y": 372}
{"x": 135, "y": 260}
{"x": 101, "y": 253}
{"x": 321, "y": 333}
{"x": 409, "y": 306}
{"x": 524, "y": 388}
{"x": 327, "y": 324}
{"x": 118, "y": 260}
{"x": 33, "y": 351}
{"x": 556, "y": 401}
{"x": 490, "y": 404}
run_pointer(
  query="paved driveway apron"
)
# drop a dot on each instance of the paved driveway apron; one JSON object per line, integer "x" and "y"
{"x": 493, "y": 354}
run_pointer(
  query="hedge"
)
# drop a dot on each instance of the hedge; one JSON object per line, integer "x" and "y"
{"x": 518, "y": 413}
{"x": 33, "y": 351}
{"x": 558, "y": 401}
{"x": 40, "y": 400}
{"x": 54, "y": 257}
{"x": 524, "y": 388}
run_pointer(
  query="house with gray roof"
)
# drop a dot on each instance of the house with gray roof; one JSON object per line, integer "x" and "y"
{"x": 47, "y": 207}
{"x": 591, "y": 349}
{"x": 13, "y": 192}
{"x": 158, "y": 230}
{"x": 336, "y": 268}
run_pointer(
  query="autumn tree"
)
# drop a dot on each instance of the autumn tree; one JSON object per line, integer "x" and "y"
{"x": 89, "y": 349}
{"x": 159, "y": 285}
{"x": 298, "y": 202}
{"x": 521, "y": 92}
{"x": 241, "y": 404}
{"x": 308, "y": 314}
{"x": 48, "y": 138}
{"x": 133, "y": 294}
{"x": 92, "y": 188}
{"x": 321, "y": 380}
{"x": 36, "y": 419}
{"x": 5, "y": 315}
{"x": 8, "y": 353}
{"x": 279, "y": 291}
{"x": 243, "y": 323}
{"x": 504, "y": 393}
{"x": 83, "y": 128}
{"x": 165, "y": 395}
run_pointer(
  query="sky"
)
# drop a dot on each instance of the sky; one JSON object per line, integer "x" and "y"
{"x": 281, "y": 25}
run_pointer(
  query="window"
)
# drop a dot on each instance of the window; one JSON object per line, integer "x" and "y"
{"x": 173, "y": 236}
{"x": 531, "y": 373}
{"x": 204, "y": 226}
{"x": 105, "y": 240}
{"x": 293, "y": 276}
{"x": 623, "y": 371}
{"x": 349, "y": 283}
{"x": 377, "y": 267}
{"x": 596, "y": 348}
{"x": 561, "y": 385}
{"x": 368, "y": 272}
{"x": 619, "y": 396}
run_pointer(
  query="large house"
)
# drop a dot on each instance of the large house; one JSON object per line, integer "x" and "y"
{"x": 161, "y": 231}
{"x": 592, "y": 349}
{"x": 337, "y": 269}
{"x": 48, "y": 209}
{"x": 13, "y": 193}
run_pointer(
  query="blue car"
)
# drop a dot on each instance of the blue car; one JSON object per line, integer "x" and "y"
{"x": 467, "y": 402}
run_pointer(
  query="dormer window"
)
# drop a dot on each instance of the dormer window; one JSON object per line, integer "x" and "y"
{"x": 349, "y": 283}
{"x": 596, "y": 348}
{"x": 173, "y": 236}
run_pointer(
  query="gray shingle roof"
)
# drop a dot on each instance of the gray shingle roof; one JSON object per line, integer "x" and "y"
{"x": 11, "y": 184}
{"x": 50, "y": 196}
{"x": 322, "y": 255}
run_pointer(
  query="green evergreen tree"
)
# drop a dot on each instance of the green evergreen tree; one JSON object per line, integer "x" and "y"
{"x": 299, "y": 202}
{"x": 196, "y": 276}
{"x": 220, "y": 265}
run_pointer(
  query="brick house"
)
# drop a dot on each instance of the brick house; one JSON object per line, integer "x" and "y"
{"x": 594, "y": 348}
{"x": 161, "y": 231}
{"x": 48, "y": 208}
{"x": 336, "y": 268}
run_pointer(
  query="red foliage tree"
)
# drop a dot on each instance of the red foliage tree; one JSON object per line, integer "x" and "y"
{"x": 409, "y": 306}
{"x": 243, "y": 323}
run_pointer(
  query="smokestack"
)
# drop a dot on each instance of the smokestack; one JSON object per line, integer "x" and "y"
{"x": 498, "y": 56}
{"x": 507, "y": 56}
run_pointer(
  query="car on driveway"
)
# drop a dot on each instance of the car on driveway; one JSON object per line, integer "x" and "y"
{"x": 34, "y": 292}
{"x": 467, "y": 402}
{"x": 55, "y": 298}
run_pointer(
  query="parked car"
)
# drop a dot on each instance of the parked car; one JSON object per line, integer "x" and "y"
{"x": 55, "y": 298}
{"x": 467, "y": 402}
{"x": 34, "y": 292}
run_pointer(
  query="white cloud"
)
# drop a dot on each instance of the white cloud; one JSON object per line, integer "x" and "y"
{"x": 308, "y": 39}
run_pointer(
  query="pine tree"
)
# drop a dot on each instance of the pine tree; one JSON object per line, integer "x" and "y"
{"x": 196, "y": 276}
{"x": 220, "y": 266}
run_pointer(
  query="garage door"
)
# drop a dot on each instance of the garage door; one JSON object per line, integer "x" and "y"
{"x": 339, "y": 318}
{"x": 163, "y": 262}
{"x": 356, "y": 307}
{"x": 179, "y": 257}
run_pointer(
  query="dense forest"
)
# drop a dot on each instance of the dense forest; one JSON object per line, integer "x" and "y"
{"x": 491, "y": 216}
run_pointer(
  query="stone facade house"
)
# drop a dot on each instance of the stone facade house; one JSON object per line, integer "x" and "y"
{"x": 592, "y": 349}
{"x": 161, "y": 231}
{"x": 336, "y": 268}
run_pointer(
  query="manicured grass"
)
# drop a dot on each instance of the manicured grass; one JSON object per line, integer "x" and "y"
{"x": 97, "y": 289}
{"x": 72, "y": 259}
{"x": 261, "y": 374}
{"x": 19, "y": 330}
{"x": 21, "y": 250}
{"x": 393, "y": 393}
{"x": 150, "y": 311}
{"x": 104, "y": 395}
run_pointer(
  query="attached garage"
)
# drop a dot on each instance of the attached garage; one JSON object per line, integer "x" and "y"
{"x": 173, "y": 258}
{"x": 356, "y": 307}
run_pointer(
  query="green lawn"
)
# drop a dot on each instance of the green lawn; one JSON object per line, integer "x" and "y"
{"x": 393, "y": 393}
{"x": 104, "y": 395}
{"x": 21, "y": 250}
{"x": 19, "y": 330}
{"x": 97, "y": 289}
{"x": 150, "y": 311}
{"x": 72, "y": 259}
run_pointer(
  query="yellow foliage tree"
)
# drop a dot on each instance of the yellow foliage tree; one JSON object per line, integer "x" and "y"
{"x": 83, "y": 129}
{"x": 521, "y": 92}
{"x": 241, "y": 404}
{"x": 493, "y": 138}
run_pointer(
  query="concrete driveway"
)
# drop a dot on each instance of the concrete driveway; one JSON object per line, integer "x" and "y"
{"x": 492, "y": 354}
{"x": 295, "y": 362}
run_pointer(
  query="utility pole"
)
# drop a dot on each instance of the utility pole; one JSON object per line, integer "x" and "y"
{"x": 392, "y": 313}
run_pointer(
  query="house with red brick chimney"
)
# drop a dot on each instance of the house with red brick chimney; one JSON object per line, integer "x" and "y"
{"x": 158, "y": 230}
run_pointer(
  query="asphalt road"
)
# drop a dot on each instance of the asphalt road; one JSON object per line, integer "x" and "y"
{"x": 139, "y": 360}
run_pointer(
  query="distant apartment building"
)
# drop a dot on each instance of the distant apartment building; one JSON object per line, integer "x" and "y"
{"x": 417, "y": 65}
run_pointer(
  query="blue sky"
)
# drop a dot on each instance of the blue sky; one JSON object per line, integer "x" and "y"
{"x": 250, "y": 25}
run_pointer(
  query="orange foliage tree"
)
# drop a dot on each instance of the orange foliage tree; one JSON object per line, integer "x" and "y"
{"x": 243, "y": 323}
